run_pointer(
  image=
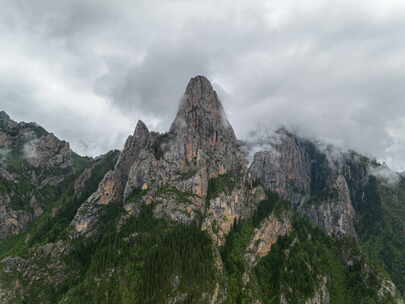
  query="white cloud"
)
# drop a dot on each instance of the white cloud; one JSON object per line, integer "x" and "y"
{"x": 87, "y": 70}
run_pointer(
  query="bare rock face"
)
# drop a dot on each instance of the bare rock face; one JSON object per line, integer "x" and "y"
{"x": 133, "y": 147}
{"x": 313, "y": 180}
{"x": 201, "y": 110}
{"x": 266, "y": 236}
{"x": 31, "y": 143}
{"x": 111, "y": 188}
{"x": 201, "y": 125}
{"x": 284, "y": 168}
{"x": 200, "y": 145}
{"x": 12, "y": 222}
{"x": 174, "y": 169}
{"x": 335, "y": 214}
{"x": 48, "y": 152}
{"x": 203, "y": 132}
{"x": 227, "y": 208}
{"x": 89, "y": 212}
{"x": 389, "y": 290}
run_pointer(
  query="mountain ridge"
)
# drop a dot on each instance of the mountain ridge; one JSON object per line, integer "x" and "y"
{"x": 293, "y": 211}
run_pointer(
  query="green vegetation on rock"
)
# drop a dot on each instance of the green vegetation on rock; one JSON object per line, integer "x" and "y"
{"x": 149, "y": 260}
{"x": 382, "y": 227}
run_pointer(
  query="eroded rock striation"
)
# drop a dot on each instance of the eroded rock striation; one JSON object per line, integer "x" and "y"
{"x": 174, "y": 169}
{"x": 309, "y": 178}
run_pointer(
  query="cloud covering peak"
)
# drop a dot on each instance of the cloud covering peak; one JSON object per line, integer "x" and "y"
{"x": 88, "y": 70}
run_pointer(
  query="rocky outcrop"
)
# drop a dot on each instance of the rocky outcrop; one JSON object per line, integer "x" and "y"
{"x": 111, "y": 188}
{"x": 48, "y": 152}
{"x": 284, "y": 167}
{"x": 200, "y": 146}
{"x": 12, "y": 222}
{"x": 31, "y": 144}
{"x": 228, "y": 208}
{"x": 175, "y": 168}
{"x": 311, "y": 178}
{"x": 389, "y": 290}
{"x": 335, "y": 213}
{"x": 266, "y": 236}
{"x": 33, "y": 163}
{"x": 201, "y": 127}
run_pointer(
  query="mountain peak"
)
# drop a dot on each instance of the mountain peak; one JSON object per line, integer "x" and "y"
{"x": 199, "y": 86}
{"x": 201, "y": 112}
{"x": 5, "y": 121}
{"x": 141, "y": 130}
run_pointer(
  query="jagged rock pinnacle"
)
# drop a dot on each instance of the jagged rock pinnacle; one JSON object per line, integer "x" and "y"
{"x": 132, "y": 147}
{"x": 201, "y": 113}
{"x": 141, "y": 130}
{"x": 199, "y": 87}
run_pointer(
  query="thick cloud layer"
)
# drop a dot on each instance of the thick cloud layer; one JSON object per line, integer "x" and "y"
{"x": 88, "y": 69}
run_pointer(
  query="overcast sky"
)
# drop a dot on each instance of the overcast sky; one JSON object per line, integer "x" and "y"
{"x": 87, "y": 70}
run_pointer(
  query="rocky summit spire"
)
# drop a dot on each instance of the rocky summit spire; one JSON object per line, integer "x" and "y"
{"x": 141, "y": 131}
{"x": 201, "y": 113}
{"x": 133, "y": 145}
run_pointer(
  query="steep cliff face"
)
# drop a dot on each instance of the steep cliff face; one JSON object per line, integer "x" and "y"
{"x": 181, "y": 217}
{"x": 111, "y": 188}
{"x": 336, "y": 213}
{"x": 313, "y": 180}
{"x": 33, "y": 165}
{"x": 344, "y": 193}
{"x": 32, "y": 143}
{"x": 41, "y": 265}
{"x": 175, "y": 169}
{"x": 284, "y": 166}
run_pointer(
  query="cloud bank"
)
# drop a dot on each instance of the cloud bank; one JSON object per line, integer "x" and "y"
{"x": 88, "y": 70}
